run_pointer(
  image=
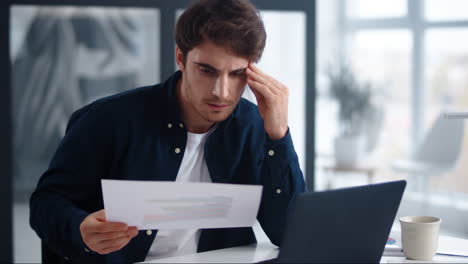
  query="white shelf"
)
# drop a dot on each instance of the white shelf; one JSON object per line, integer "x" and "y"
{"x": 456, "y": 115}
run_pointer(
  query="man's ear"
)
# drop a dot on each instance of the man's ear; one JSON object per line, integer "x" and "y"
{"x": 179, "y": 59}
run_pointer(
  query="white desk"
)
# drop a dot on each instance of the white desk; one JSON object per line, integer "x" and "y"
{"x": 244, "y": 254}
{"x": 265, "y": 250}
{"x": 447, "y": 244}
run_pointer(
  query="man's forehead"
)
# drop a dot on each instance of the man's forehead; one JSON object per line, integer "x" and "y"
{"x": 217, "y": 57}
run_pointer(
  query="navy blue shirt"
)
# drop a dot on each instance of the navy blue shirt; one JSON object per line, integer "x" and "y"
{"x": 133, "y": 135}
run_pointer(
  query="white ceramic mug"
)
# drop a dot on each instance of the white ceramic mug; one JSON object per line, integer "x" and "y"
{"x": 420, "y": 236}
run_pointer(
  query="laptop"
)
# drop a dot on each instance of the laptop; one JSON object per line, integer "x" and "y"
{"x": 342, "y": 225}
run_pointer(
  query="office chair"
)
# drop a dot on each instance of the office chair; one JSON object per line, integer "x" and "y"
{"x": 438, "y": 152}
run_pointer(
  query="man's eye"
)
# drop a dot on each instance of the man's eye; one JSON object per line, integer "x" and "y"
{"x": 207, "y": 70}
{"x": 240, "y": 73}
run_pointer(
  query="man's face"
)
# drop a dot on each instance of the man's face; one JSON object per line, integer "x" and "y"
{"x": 213, "y": 81}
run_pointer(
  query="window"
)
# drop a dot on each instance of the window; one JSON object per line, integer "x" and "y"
{"x": 376, "y": 9}
{"x": 415, "y": 54}
{"x": 445, "y": 10}
{"x": 368, "y": 49}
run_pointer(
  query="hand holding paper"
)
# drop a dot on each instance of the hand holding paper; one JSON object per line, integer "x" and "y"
{"x": 174, "y": 205}
{"x": 105, "y": 237}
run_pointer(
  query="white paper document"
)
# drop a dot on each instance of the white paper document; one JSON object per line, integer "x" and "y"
{"x": 177, "y": 205}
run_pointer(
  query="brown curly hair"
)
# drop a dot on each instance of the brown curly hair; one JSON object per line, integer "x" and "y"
{"x": 235, "y": 24}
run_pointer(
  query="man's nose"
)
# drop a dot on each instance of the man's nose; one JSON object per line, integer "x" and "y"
{"x": 221, "y": 89}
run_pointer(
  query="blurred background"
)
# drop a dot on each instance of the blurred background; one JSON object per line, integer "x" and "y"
{"x": 369, "y": 81}
{"x": 411, "y": 57}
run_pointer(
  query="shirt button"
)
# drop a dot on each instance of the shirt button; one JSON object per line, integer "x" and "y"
{"x": 149, "y": 232}
{"x": 177, "y": 150}
{"x": 169, "y": 125}
{"x": 181, "y": 125}
{"x": 271, "y": 152}
{"x": 86, "y": 249}
{"x": 278, "y": 191}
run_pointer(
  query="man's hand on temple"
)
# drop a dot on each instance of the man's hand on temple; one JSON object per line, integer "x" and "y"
{"x": 105, "y": 237}
{"x": 272, "y": 99}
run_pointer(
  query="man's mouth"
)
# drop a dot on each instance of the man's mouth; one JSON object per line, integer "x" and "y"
{"x": 217, "y": 107}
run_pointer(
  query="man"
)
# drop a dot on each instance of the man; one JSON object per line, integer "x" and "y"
{"x": 193, "y": 127}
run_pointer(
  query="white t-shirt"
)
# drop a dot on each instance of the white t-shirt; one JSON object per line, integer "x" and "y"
{"x": 177, "y": 242}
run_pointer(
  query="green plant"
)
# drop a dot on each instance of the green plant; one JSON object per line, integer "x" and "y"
{"x": 354, "y": 100}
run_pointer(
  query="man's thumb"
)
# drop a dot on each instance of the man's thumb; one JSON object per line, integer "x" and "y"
{"x": 100, "y": 215}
